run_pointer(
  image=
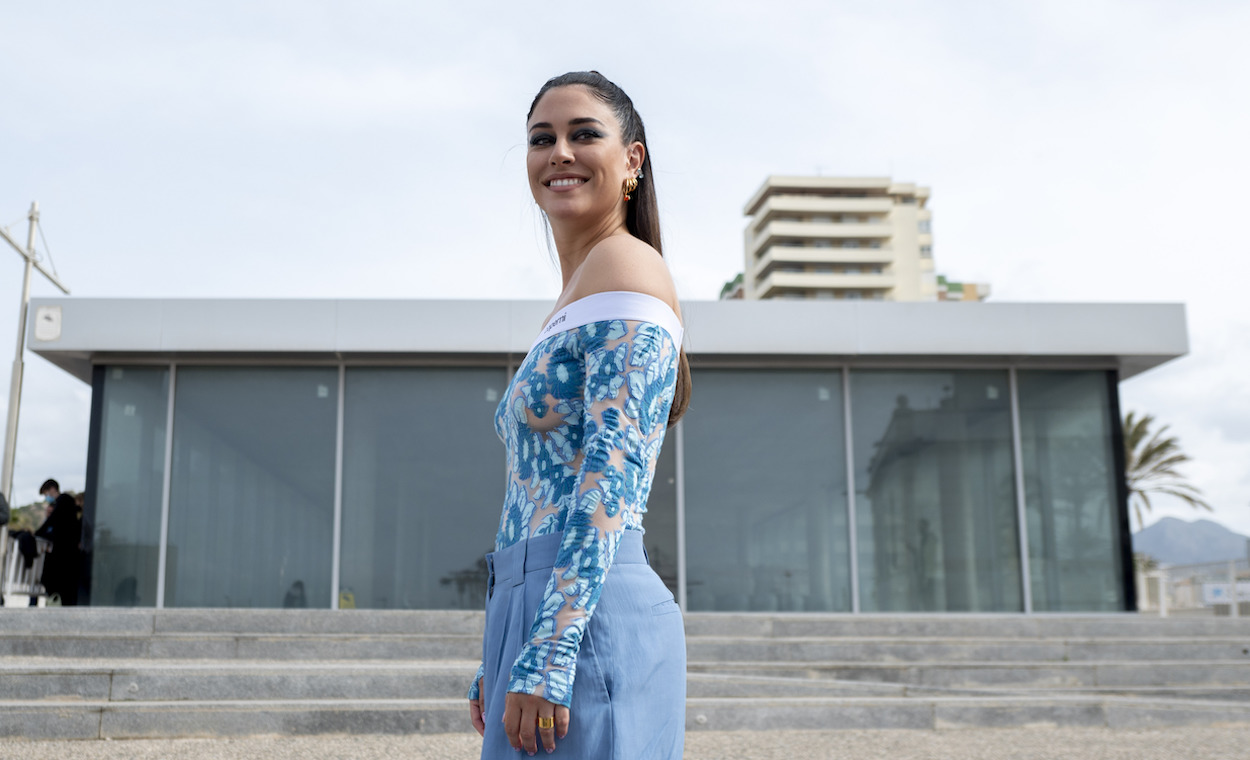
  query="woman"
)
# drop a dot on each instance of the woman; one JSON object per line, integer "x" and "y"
{"x": 584, "y": 651}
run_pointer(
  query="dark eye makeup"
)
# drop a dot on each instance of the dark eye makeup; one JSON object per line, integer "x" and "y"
{"x": 542, "y": 138}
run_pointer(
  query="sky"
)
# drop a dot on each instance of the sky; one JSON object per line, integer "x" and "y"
{"x": 1090, "y": 151}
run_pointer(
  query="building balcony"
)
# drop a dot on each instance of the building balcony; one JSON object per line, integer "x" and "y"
{"x": 780, "y": 255}
{"x": 775, "y": 232}
{"x": 781, "y": 205}
{"x": 817, "y": 187}
{"x": 811, "y": 280}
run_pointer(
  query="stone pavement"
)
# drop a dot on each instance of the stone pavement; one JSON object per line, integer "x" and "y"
{"x": 1184, "y": 743}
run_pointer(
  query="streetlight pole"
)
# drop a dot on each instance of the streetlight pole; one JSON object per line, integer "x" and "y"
{"x": 15, "y": 383}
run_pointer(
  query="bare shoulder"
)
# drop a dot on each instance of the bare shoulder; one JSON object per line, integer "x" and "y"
{"x": 623, "y": 262}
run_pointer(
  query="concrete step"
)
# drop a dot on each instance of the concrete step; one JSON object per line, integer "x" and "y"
{"x": 173, "y": 681}
{"x": 957, "y": 712}
{"x": 189, "y": 719}
{"x": 131, "y": 720}
{"x": 467, "y": 645}
{"x": 970, "y": 649}
{"x": 1016, "y": 675}
{"x": 434, "y": 646}
{"x": 101, "y": 620}
{"x": 1122, "y": 625}
{"x": 718, "y": 685}
{"x": 148, "y": 622}
{"x": 246, "y": 646}
{"x": 138, "y": 681}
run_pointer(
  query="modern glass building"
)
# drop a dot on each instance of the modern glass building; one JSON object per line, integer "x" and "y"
{"x": 836, "y": 457}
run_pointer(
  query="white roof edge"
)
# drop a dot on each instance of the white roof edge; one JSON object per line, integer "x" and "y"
{"x": 1131, "y": 336}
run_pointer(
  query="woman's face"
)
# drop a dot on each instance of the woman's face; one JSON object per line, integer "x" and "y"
{"x": 577, "y": 162}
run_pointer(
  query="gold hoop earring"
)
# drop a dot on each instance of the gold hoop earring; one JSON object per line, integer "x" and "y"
{"x": 631, "y": 185}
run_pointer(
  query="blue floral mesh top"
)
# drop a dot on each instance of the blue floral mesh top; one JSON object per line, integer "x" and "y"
{"x": 583, "y": 421}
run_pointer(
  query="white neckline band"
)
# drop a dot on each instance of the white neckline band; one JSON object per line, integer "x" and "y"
{"x": 613, "y": 304}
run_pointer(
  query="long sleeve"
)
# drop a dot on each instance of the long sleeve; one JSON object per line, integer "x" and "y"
{"x": 630, "y": 375}
{"x": 475, "y": 691}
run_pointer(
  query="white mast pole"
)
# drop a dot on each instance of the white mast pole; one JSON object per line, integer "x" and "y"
{"x": 15, "y": 383}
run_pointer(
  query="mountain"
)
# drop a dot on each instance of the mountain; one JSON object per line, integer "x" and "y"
{"x": 1176, "y": 542}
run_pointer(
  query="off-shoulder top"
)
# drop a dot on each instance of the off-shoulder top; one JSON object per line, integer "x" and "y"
{"x": 582, "y": 420}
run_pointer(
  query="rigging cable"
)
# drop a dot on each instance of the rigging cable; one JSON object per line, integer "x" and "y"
{"x": 46, "y": 249}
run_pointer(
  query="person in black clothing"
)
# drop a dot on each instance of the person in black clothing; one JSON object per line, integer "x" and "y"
{"x": 63, "y": 527}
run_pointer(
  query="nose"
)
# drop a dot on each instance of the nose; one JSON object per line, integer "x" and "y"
{"x": 561, "y": 153}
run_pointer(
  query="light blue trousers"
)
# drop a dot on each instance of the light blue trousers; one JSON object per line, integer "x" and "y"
{"x": 629, "y": 692}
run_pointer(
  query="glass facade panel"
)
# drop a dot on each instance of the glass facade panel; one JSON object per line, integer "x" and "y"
{"x": 1075, "y": 562}
{"x": 128, "y": 486}
{"x": 423, "y": 481}
{"x": 935, "y": 503}
{"x": 765, "y": 483}
{"x": 252, "y": 495}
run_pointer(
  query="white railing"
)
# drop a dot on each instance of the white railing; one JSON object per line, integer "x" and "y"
{"x": 19, "y": 582}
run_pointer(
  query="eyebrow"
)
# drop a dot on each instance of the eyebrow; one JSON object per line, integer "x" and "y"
{"x": 572, "y": 123}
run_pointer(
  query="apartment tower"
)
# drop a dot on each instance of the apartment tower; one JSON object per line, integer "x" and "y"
{"x": 839, "y": 238}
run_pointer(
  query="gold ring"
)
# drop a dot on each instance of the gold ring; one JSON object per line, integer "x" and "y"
{"x": 548, "y": 722}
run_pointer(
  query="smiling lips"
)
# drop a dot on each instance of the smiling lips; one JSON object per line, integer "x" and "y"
{"x": 566, "y": 182}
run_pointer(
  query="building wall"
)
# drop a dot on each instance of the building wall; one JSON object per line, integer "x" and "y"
{"x": 803, "y": 487}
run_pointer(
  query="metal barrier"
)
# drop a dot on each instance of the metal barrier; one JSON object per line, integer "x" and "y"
{"x": 1210, "y": 588}
{"x": 19, "y": 582}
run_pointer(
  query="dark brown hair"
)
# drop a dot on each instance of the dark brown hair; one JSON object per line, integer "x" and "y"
{"x": 642, "y": 213}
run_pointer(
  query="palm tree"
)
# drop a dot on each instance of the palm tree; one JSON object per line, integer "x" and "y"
{"x": 1150, "y": 464}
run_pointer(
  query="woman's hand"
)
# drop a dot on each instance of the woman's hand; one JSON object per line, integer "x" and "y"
{"x": 520, "y": 722}
{"x": 477, "y": 709}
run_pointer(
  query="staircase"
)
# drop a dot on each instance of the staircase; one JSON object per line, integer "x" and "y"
{"x": 105, "y": 673}
{"x": 965, "y": 671}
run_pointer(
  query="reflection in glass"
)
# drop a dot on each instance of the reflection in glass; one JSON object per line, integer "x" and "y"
{"x": 660, "y": 522}
{"x": 935, "y": 504}
{"x": 423, "y": 479}
{"x": 1070, "y": 496}
{"x": 128, "y": 486}
{"x": 252, "y": 495}
{"x": 765, "y": 491}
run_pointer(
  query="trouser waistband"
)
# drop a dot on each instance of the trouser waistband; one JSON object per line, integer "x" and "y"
{"x": 513, "y": 562}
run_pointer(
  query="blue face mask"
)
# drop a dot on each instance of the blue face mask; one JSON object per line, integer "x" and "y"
{"x": 48, "y": 498}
